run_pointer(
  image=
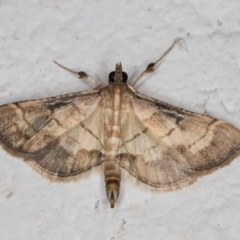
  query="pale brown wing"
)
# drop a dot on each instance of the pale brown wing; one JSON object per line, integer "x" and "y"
{"x": 57, "y": 136}
{"x": 168, "y": 148}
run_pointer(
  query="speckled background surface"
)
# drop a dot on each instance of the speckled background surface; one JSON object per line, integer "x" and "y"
{"x": 92, "y": 36}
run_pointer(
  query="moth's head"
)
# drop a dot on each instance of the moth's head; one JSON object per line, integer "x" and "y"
{"x": 118, "y": 76}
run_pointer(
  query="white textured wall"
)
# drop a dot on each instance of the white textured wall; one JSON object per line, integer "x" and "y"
{"x": 93, "y": 36}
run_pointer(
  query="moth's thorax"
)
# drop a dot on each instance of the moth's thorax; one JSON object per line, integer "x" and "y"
{"x": 117, "y": 87}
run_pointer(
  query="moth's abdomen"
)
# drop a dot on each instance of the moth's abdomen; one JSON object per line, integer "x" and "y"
{"x": 111, "y": 170}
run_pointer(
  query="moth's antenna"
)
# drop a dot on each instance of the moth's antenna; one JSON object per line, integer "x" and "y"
{"x": 80, "y": 74}
{"x": 150, "y": 67}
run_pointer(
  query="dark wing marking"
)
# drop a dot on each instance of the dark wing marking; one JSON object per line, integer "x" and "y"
{"x": 167, "y": 147}
{"x": 57, "y": 136}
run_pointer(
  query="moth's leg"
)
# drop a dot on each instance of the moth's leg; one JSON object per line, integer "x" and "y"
{"x": 150, "y": 67}
{"x": 80, "y": 74}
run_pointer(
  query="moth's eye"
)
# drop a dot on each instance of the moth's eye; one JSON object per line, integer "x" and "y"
{"x": 111, "y": 76}
{"x": 124, "y": 77}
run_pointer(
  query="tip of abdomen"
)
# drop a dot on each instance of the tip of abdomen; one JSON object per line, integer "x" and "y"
{"x": 112, "y": 204}
{"x": 112, "y": 188}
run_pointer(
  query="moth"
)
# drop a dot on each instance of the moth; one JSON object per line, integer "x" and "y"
{"x": 163, "y": 146}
